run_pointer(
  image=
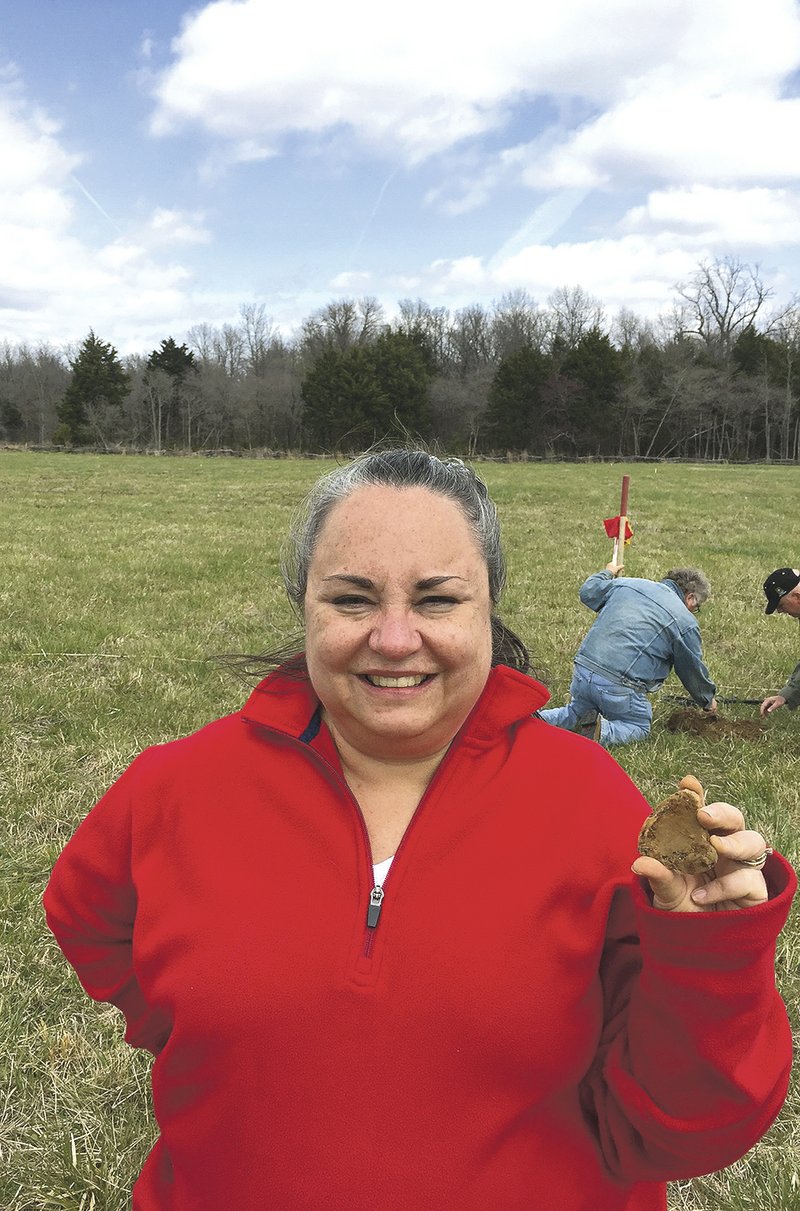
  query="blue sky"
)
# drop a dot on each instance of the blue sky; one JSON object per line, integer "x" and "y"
{"x": 164, "y": 164}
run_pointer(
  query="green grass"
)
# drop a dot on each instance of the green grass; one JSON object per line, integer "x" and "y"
{"x": 121, "y": 575}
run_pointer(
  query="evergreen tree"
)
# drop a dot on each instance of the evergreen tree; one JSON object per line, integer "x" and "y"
{"x": 514, "y": 416}
{"x": 353, "y": 396}
{"x": 404, "y": 369}
{"x": 339, "y": 394}
{"x": 177, "y": 362}
{"x": 98, "y": 382}
{"x": 757, "y": 355}
{"x": 597, "y": 371}
{"x": 12, "y": 422}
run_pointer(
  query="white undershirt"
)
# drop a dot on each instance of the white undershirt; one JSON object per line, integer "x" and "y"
{"x": 381, "y": 870}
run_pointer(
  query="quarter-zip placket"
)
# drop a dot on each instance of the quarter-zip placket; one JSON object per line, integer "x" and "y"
{"x": 378, "y": 893}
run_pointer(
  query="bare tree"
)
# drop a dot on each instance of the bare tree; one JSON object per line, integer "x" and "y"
{"x": 574, "y": 312}
{"x": 228, "y": 349}
{"x": 260, "y": 336}
{"x": 157, "y": 388}
{"x": 342, "y": 325}
{"x": 470, "y": 340}
{"x": 432, "y": 323}
{"x": 785, "y": 330}
{"x": 517, "y": 321}
{"x": 33, "y": 381}
{"x": 458, "y": 408}
{"x": 201, "y": 337}
{"x": 721, "y": 301}
{"x": 631, "y": 333}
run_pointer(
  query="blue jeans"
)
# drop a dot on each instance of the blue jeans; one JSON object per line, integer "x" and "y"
{"x": 627, "y": 714}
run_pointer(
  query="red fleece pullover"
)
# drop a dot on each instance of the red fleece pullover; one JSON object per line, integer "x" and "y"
{"x": 519, "y": 1030}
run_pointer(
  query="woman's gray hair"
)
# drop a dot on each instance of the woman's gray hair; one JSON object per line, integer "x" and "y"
{"x": 406, "y": 468}
{"x": 399, "y": 468}
{"x": 691, "y": 580}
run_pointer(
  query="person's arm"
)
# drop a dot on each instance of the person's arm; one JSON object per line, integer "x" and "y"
{"x": 90, "y": 904}
{"x": 594, "y": 591}
{"x": 788, "y": 696}
{"x": 791, "y": 691}
{"x": 693, "y": 1063}
{"x": 690, "y": 668}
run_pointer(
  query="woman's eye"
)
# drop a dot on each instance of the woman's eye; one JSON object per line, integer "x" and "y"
{"x": 350, "y": 601}
{"x": 438, "y": 601}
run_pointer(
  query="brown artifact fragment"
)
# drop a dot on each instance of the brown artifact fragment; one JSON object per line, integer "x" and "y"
{"x": 673, "y": 834}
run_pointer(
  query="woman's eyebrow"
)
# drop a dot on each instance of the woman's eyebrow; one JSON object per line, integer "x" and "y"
{"x": 363, "y": 582}
{"x": 433, "y": 582}
{"x": 360, "y": 582}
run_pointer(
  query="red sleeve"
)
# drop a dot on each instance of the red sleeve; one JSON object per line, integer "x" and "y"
{"x": 694, "y": 1061}
{"x": 90, "y": 904}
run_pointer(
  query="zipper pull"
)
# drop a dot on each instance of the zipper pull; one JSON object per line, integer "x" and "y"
{"x": 374, "y": 909}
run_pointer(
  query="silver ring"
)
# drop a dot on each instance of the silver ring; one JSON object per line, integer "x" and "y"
{"x": 756, "y": 863}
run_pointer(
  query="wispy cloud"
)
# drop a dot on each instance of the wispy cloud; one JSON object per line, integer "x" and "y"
{"x": 90, "y": 198}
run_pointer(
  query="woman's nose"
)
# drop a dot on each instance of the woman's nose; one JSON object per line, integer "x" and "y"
{"x": 395, "y": 633}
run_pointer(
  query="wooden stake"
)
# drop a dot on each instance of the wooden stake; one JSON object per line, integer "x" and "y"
{"x": 619, "y": 541}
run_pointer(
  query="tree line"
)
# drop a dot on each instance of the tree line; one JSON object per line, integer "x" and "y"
{"x": 718, "y": 378}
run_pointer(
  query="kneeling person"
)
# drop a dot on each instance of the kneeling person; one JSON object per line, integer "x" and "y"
{"x": 643, "y": 629}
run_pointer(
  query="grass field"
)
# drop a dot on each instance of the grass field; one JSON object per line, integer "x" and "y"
{"x": 122, "y": 575}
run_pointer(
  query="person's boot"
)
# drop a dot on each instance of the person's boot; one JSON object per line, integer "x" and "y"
{"x": 589, "y": 724}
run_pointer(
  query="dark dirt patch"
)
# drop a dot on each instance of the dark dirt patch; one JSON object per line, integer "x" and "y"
{"x": 710, "y": 728}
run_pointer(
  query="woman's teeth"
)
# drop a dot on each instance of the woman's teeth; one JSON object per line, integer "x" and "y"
{"x": 396, "y": 683}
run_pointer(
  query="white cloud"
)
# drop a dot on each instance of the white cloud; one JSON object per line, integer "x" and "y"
{"x": 682, "y": 135}
{"x": 415, "y": 86}
{"x": 463, "y": 191}
{"x": 55, "y": 286}
{"x": 355, "y": 282}
{"x": 465, "y": 271}
{"x": 246, "y": 70}
{"x": 36, "y": 168}
{"x": 172, "y": 227}
{"x": 711, "y": 216}
{"x": 631, "y": 271}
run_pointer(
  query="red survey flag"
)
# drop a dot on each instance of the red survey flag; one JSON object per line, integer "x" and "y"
{"x": 612, "y": 528}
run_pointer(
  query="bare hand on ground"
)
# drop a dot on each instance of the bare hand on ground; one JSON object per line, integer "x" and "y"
{"x": 773, "y": 703}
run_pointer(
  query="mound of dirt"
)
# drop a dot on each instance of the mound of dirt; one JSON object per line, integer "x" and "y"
{"x": 714, "y": 728}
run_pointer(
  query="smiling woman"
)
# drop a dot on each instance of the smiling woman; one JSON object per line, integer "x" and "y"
{"x": 398, "y": 642}
{"x": 397, "y": 619}
{"x": 539, "y": 1022}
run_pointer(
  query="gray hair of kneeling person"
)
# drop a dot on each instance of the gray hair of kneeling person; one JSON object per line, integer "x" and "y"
{"x": 691, "y": 580}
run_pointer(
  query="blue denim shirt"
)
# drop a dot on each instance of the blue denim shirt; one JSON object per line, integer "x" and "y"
{"x": 643, "y": 629}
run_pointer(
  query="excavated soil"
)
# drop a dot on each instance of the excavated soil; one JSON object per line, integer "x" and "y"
{"x": 711, "y": 728}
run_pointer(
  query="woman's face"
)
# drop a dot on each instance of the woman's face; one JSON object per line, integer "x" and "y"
{"x": 397, "y": 620}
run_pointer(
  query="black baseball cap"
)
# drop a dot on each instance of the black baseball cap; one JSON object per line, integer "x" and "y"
{"x": 778, "y": 584}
